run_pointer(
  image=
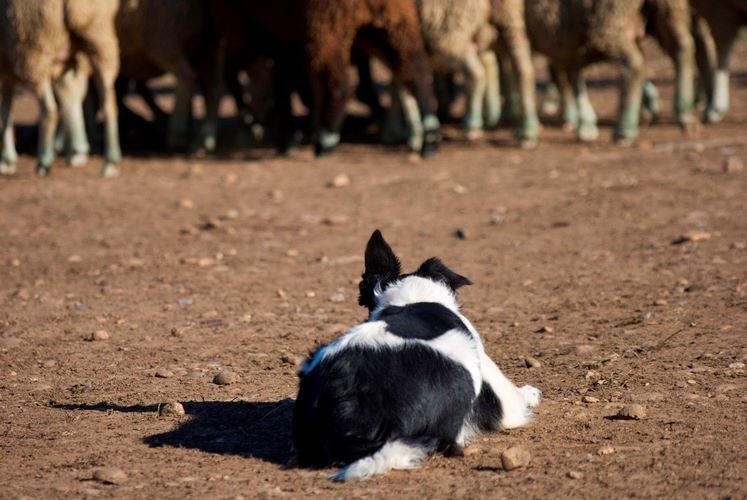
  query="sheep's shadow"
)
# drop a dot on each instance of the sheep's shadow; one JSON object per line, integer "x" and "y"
{"x": 252, "y": 429}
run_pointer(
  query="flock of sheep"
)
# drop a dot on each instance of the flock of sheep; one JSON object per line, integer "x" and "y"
{"x": 55, "y": 47}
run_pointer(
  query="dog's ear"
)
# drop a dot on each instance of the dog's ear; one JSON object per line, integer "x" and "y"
{"x": 382, "y": 266}
{"x": 435, "y": 270}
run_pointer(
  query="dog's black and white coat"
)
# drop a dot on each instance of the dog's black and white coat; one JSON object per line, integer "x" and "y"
{"x": 412, "y": 380}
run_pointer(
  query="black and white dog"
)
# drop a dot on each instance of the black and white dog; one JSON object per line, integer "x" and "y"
{"x": 412, "y": 380}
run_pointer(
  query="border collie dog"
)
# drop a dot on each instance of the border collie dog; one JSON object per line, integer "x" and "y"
{"x": 412, "y": 380}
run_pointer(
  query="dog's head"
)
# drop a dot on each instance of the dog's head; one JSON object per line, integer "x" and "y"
{"x": 383, "y": 274}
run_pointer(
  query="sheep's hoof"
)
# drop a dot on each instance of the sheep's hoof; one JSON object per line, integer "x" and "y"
{"x": 587, "y": 133}
{"x": 110, "y": 170}
{"x": 714, "y": 115}
{"x": 431, "y": 140}
{"x": 320, "y": 149}
{"x": 43, "y": 170}
{"x": 474, "y": 134}
{"x": 690, "y": 125}
{"x": 77, "y": 160}
{"x": 528, "y": 143}
{"x": 569, "y": 126}
{"x": 7, "y": 167}
{"x": 624, "y": 142}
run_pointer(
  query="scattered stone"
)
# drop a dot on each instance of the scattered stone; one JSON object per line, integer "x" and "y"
{"x": 692, "y": 236}
{"x": 531, "y": 362}
{"x": 246, "y": 318}
{"x": 225, "y": 377}
{"x": 692, "y": 381}
{"x": 544, "y": 329}
{"x": 733, "y": 165}
{"x": 292, "y": 252}
{"x": 186, "y": 203}
{"x": 515, "y": 457}
{"x": 631, "y": 412}
{"x": 9, "y": 342}
{"x": 590, "y": 399}
{"x": 98, "y": 335}
{"x": 186, "y": 301}
{"x": 337, "y": 297}
{"x": 171, "y": 409}
{"x": 74, "y": 259}
{"x": 164, "y": 373}
{"x": 660, "y": 302}
{"x": 335, "y": 220}
{"x": 606, "y": 450}
{"x": 109, "y": 475}
{"x": 737, "y": 366}
{"x": 738, "y": 245}
{"x": 230, "y": 214}
{"x": 281, "y": 293}
{"x": 584, "y": 349}
{"x": 461, "y": 233}
{"x": 205, "y": 262}
{"x": 593, "y": 376}
{"x": 339, "y": 181}
{"x": 459, "y": 189}
{"x": 574, "y": 474}
{"x": 496, "y": 219}
{"x": 50, "y": 363}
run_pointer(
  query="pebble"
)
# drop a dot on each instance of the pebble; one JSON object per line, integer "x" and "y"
{"x": 631, "y": 412}
{"x": 736, "y": 366}
{"x": 584, "y": 349}
{"x": 459, "y": 189}
{"x": 281, "y": 293}
{"x": 544, "y": 329}
{"x": 9, "y": 342}
{"x": 225, "y": 377}
{"x": 171, "y": 409}
{"x": 515, "y": 457}
{"x": 335, "y": 220}
{"x": 531, "y": 362}
{"x": 692, "y": 236}
{"x": 732, "y": 165}
{"x": 205, "y": 262}
{"x": 606, "y": 450}
{"x": 340, "y": 181}
{"x": 660, "y": 302}
{"x": 461, "y": 233}
{"x": 50, "y": 363}
{"x": 186, "y": 203}
{"x": 574, "y": 474}
{"x": 109, "y": 475}
{"x": 98, "y": 335}
{"x": 590, "y": 399}
{"x": 337, "y": 297}
{"x": 164, "y": 373}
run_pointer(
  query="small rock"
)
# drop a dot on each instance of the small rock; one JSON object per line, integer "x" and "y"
{"x": 186, "y": 203}
{"x": 225, "y": 377}
{"x": 459, "y": 189}
{"x": 606, "y": 450}
{"x": 164, "y": 373}
{"x": 544, "y": 329}
{"x": 205, "y": 262}
{"x": 631, "y": 412}
{"x": 109, "y": 475}
{"x": 74, "y": 258}
{"x": 531, "y": 362}
{"x": 584, "y": 349}
{"x": 171, "y": 409}
{"x": 574, "y": 474}
{"x": 98, "y": 335}
{"x": 339, "y": 181}
{"x": 736, "y": 366}
{"x": 692, "y": 381}
{"x": 292, "y": 252}
{"x": 230, "y": 214}
{"x": 335, "y": 220}
{"x": 590, "y": 399}
{"x": 186, "y": 301}
{"x": 738, "y": 245}
{"x": 692, "y": 236}
{"x": 461, "y": 233}
{"x": 592, "y": 376}
{"x": 733, "y": 165}
{"x": 660, "y": 302}
{"x": 337, "y": 296}
{"x": 50, "y": 363}
{"x": 280, "y": 293}
{"x": 514, "y": 458}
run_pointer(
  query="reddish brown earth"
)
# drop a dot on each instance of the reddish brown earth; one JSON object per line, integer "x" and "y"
{"x": 196, "y": 266}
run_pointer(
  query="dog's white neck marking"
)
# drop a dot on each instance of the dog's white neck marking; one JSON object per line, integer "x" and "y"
{"x": 411, "y": 290}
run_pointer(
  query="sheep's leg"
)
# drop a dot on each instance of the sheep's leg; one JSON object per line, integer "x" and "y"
{"x": 587, "y": 120}
{"x": 334, "y": 91}
{"x": 104, "y": 81}
{"x": 178, "y": 131}
{"x": 705, "y": 58}
{"x": 651, "y": 104}
{"x": 397, "y": 128}
{"x": 723, "y": 36}
{"x": 492, "y": 101}
{"x": 416, "y": 75}
{"x": 516, "y": 40}
{"x": 47, "y": 128}
{"x": 9, "y": 154}
{"x": 160, "y": 117}
{"x": 676, "y": 39}
{"x": 287, "y": 140}
{"x": 568, "y": 103}
{"x": 511, "y": 112}
{"x": 475, "y": 73}
{"x": 631, "y": 93}
{"x": 551, "y": 100}
{"x": 71, "y": 89}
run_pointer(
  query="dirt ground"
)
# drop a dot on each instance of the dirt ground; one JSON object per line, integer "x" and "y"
{"x": 195, "y": 266}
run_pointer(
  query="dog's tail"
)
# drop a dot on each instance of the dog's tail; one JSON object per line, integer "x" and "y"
{"x": 393, "y": 455}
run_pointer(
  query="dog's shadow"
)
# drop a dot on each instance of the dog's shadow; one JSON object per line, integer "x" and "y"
{"x": 252, "y": 429}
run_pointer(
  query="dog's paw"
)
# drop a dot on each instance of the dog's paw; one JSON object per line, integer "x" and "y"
{"x": 532, "y": 395}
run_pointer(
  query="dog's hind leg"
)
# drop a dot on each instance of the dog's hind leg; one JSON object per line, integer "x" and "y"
{"x": 515, "y": 402}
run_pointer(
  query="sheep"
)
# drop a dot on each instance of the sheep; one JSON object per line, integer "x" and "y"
{"x": 316, "y": 37}
{"x": 669, "y": 22}
{"x": 165, "y": 36}
{"x": 576, "y": 33}
{"x": 39, "y": 39}
{"x": 724, "y": 18}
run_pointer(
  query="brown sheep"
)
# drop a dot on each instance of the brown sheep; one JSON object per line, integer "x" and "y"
{"x": 38, "y": 40}
{"x": 320, "y": 35}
